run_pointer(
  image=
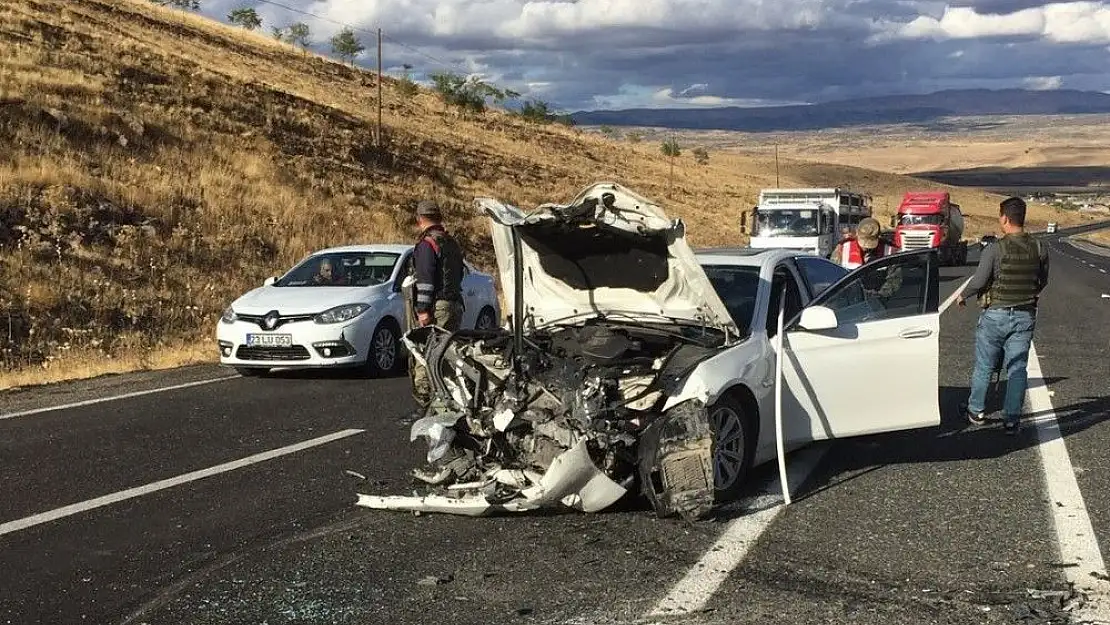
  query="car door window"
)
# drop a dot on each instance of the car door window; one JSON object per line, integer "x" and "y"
{"x": 890, "y": 288}
{"x": 819, "y": 273}
{"x": 783, "y": 282}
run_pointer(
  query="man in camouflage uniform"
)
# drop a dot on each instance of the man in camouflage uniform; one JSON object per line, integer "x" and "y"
{"x": 1011, "y": 275}
{"x": 436, "y": 296}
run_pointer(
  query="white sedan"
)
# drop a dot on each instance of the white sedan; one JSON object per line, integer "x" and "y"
{"x": 642, "y": 366}
{"x": 340, "y": 307}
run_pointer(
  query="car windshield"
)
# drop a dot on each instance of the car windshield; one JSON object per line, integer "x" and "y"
{"x": 737, "y": 286}
{"x": 782, "y": 222}
{"x": 921, "y": 220}
{"x": 342, "y": 269}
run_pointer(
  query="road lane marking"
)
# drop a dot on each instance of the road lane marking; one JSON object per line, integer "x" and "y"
{"x": 1075, "y": 535}
{"x": 703, "y": 579}
{"x": 100, "y": 400}
{"x": 954, "y": 296}
{"x": 138, "y": 491}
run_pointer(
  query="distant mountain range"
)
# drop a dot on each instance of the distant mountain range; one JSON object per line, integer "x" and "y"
{"x": 894, "y": 109}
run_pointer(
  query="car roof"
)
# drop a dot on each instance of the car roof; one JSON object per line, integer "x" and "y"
{"x": 394, "y": 248}
{"x": 745, "y": 255}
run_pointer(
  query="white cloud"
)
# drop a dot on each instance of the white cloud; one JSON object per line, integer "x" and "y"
{"x": 1065, "y": 22}
{"x": 648, "y": 97}
{"x": 623, "y": 53}
{"x": 1043, "y": 83}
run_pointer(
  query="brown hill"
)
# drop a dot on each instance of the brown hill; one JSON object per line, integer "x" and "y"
{"x": 158, "y": 164}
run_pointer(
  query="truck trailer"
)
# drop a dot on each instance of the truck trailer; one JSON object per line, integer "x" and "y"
{"x": 931, "y": 219}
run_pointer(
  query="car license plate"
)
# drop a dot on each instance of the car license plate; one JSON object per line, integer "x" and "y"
{"x": 269, "y": 340}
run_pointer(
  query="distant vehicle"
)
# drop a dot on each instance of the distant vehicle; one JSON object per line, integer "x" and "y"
{"x": 351, "y": 316}
{"x": 808, "y": 220}
{"x": 930, "y": 219}
{"x": 1051, "y": 227}
{"x": 987, "y": 239}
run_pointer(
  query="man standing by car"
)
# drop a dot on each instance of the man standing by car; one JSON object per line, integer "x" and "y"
{"x": 437, "y": 266}
{"x": 865, "y": 246}
{"x": 1011, "y": 275}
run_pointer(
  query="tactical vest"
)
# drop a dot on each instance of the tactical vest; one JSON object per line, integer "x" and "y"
{"x": 449, "y": 269}
{"x": 1019, "y": 266}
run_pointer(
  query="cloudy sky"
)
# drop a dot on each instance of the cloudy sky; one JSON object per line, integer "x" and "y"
{"x": 596, "y": 54}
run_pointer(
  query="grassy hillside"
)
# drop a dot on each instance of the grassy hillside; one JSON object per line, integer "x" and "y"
{"x": 157, "y": 164}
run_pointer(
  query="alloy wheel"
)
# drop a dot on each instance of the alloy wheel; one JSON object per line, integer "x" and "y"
{"x": 728, "y": 456}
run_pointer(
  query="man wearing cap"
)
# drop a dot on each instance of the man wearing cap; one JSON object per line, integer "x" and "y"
{"x": 853, "y": 252}
{"x": 1009, "y": 279}
{"x": 437, "y": 265}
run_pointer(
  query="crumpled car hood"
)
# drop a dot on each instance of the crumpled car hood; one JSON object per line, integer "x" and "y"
{"x": 607, "y": 251}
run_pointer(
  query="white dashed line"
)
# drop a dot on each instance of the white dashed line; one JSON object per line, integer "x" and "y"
{"x": 1075, "y": 535}
{"x": 703, "y": 579}
{"x": 99, "y": 400}
{"x": 138, "y": 491}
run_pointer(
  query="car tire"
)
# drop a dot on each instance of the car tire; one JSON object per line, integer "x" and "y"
{"x": 383, "y": 357}
{"x": 487, "y": 319}
{"x": 252, "y": 372}
{"x": 733, "y": 447}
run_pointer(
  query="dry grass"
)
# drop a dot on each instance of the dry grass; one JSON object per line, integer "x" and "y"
{"x": 1101, "y": 237}
{"x": 157, "y": 164}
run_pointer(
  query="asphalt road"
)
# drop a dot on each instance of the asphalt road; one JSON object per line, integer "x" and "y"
{"x": 944, "y": 525}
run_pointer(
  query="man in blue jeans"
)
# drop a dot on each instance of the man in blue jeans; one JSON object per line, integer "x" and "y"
{"x": 1011, "y": 275}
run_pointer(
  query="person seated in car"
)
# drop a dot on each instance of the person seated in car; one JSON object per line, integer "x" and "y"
{"x": 326, "y": 274}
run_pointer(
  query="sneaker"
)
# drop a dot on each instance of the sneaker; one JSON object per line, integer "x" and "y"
{"x": 974, "y": 418}
{"x": 1011, "y": 427}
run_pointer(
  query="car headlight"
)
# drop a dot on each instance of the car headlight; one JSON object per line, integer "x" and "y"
{"x": 340, "y": 314}
{"x": 228, "y": 316}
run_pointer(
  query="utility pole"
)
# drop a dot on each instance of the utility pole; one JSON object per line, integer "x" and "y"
{"x": 378, "y": 134}
{"x": 776, "y": 165}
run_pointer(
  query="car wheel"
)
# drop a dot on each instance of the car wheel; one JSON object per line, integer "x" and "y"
{"x": 487, "y": 319}
{"x": 384, "y": 356}
{"x": 252, "y": 372}
{"x": 733, "y": 444}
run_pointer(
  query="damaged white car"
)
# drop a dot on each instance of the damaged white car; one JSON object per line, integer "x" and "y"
{"x": 626, "y": 369}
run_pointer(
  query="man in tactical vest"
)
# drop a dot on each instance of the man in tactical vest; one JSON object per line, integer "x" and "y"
{"x": 437, "y": 265}
{"x": 1011, "y": 275}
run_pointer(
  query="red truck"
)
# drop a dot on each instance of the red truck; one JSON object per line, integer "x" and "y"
{"x": 931, "y": 219}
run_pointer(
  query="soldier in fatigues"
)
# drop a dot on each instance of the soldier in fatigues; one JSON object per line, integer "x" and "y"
{"x": 436, "y": 296}
{"x": 1009, "y": 280}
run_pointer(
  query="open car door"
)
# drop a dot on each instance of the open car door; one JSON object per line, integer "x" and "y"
{"x": 864, "y": 356}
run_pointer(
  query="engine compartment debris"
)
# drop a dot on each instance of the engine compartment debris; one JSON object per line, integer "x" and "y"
{"x": 575, "y": 411}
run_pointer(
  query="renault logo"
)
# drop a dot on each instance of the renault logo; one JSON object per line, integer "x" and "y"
{"x": 270, "y": 321}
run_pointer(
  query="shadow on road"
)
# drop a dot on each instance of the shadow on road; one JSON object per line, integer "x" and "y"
{"x": 954, "y": 439}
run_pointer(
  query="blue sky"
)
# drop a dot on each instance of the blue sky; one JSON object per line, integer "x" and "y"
{"x": 597, "y": 54}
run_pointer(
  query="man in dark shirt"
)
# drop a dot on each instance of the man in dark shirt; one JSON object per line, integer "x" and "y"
{"x": 1009, "y": 279}
{"x": 437, "y": 265}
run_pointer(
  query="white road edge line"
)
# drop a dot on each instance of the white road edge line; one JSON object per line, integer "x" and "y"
{"x": 100, "y": 400}
{"x": 954, "y": 296}
{"x": 1075, "y": 535}
{"x": 703, "y": 579}
{"x": 58, "y": 513}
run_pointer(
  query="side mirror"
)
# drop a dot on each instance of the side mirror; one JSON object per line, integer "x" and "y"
{"x": 818, "y": 318}
{"x": 744, "y": 223}
{"x": 269, "y": 281}
{"x": 893, "y": 221}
